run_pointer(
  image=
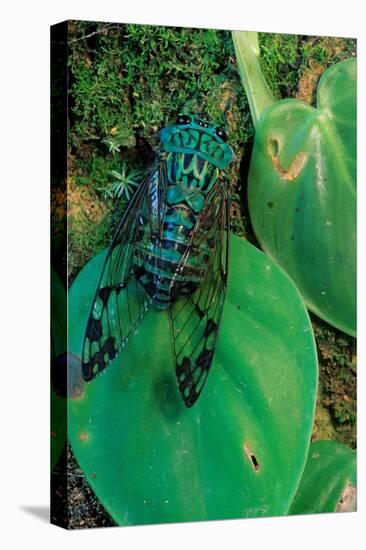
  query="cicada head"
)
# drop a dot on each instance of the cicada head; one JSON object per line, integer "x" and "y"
{"x": 191, "y": 134}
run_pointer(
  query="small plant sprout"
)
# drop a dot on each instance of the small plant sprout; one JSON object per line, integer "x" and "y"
{"x": 124, "y": 183}
{"x": 113, "y": 147}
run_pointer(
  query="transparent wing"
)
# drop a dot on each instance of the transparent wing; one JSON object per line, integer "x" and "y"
{"x": 195, "y": 319}
{"x": 120, "y": 301}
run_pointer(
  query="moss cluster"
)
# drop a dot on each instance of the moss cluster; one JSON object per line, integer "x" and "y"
{"x": 337, "y": 388}
{"x": 130, "y": 80}
{"x": 289, "y": 61}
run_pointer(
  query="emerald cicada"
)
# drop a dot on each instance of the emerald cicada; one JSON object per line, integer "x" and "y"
{"x": 170, "y": 252}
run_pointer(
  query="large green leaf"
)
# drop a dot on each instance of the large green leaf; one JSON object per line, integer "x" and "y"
{"x": 302, "y": 184}
{"x": 329, "y": 480}
{"x": 241, "y": 449}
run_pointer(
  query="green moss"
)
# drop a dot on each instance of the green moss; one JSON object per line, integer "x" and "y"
{"x": 87, "y": 236}
{"x": 280, "y": 60}
{"x": 337, "y": 389}
{"x": 287, "y": 58}
{"x": 130, "y": 80}
{"x": 327, "y": 50}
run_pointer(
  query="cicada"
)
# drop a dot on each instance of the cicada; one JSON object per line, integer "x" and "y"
{"x": 170, "y": 252}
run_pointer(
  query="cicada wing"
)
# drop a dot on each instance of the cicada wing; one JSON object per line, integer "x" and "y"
{"x": 195, "y": 318}
{"x": 120, "y": 301}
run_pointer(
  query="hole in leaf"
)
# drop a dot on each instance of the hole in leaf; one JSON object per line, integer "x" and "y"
{"x": 273, "y": 147}
{"x": 295, "y": 165}
{"x": 251, "y": 456}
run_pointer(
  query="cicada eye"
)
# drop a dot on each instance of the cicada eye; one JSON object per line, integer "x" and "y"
{"x": 221, "y": 133}
{"x": 183, "y": 119}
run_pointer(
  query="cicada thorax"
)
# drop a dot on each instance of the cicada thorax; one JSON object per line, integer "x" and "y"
{"x": 176, "y": 263}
